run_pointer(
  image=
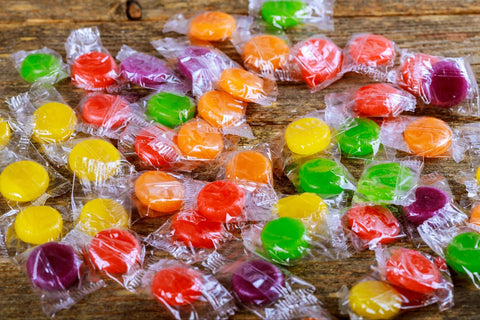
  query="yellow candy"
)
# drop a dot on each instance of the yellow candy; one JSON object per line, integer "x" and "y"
{"x": 5, "y": 133}
{"x": 307, "y": 136}
{"x": 94, "y": 160}
{"x": 23, "y": 181}
{"x": 54, "y": 122}
{"x": 102, "y": 213}
{"x": 478, "y": 175}
{"x": 38, "y": 224}
{"x": 374, "y": 300}
{"x": 303, "y": 206}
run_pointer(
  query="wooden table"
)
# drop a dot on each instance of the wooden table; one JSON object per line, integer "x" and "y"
{"x": 440, "y": 27}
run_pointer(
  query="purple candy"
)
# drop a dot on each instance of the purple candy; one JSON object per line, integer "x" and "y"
{"x": 428, "y": 202}
{"x": 145, "y": 70}
{"x": 192, "y": 60}
{"x": 257, "y": 282}
{"x": 446, "y": 85}
{"x": 53, "y": 266}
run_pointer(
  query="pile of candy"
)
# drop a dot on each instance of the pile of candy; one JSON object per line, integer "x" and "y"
{"x": 228, "y": 240}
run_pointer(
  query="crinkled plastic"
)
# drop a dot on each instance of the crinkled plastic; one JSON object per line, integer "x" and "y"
{"x": 93, "y": 68}
{"x": 428, "y": 137}
{"x": 186, "y": 292}
{"x": 290, "y": 13}
{"x": 40, "y": 66}
{"x": 369, "y": 54}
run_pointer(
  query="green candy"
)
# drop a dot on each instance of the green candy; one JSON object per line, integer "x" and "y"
{"x": 463, "y": 253}
{"x": 39, "y": 65}
{"x": 284, "y": 14}
{"x": 361, "y": 139}
{"x": 285, "y": 239}
{"x": 324, "y": 177}
{"x": 386, "y": 182}
{"x": 170, "y": 109}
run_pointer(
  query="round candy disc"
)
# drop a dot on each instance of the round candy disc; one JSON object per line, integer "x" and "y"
{"x": 414, "y": 71}
{"x": 265, "y": 53}
{"x": 284, "y": 13}
{"x": 445, "y": 85}
{"x": 302, "y": 206}
{"x": 5, "y": 133}
{"x": 94, "y": 70}
{"x": 53, "y": 266}
{"x": 285, "y": 239}
{"x": 23, "y": 181}
{"x": 38, "y": 224}
{"x": 196, "y": 231}
{"x": 221, "y": 201}
{"x": 428, "y": 202}
{"x": 212, "y": 26}
{"x": 94, "y": 160}
{"x": 144, "y": 70}
{"x": 39, "y": 65}
{"x": 177, "y": 286}
{"x": 428, "y": 137}
{"x": 475, "y": 216}
{"x": 249, "y": 166}
{"x": 102, "y": 213}
{"x": 411, "y": 270}
{"x": 194, "y": 60}
{"x": 307, "y": 136}
{"x": 373, "y": 223}
{"x": 374, "y": 300}
{"x": 114, "y": 251}
{"x": 361, "y": 138}
{"x": 199, "y": 140}
{"x": 386, "y": 182}
{"x": 463, "y": 253}
{"x": 155, "y": 145}
{"x": 378, "y": 100}
{"x": 170, "y": 109}
{"x": 319, "y": 59}
{"x": 159, "y": 191}
{"x": 106, "y": 110}
{"x": 220, "y": 109}
{"x": 371, "y": 50}
{"x": 241, "y": 84}
{"x": 322, "y": 176}
{"x": 53, "y": 122}
{"x": 258, "y": 282}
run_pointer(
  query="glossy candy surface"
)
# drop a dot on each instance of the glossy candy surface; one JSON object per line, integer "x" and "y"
{"x": 53, "y": 122}
{"x": 361, "y": 138}
{"x": 250, "y": 166}
{"x": 308, "y": 206}
{"x": 463, "y": 253}
{"x": 5, "y": 133}
{"x": 324, "y": 177}
{"x": 373, "y": 223}
{"x": 38, "y": 224}
{"x": 284, "y": 13}
{"x": 102, "y": 213}
{"x": 428, "y": 202}
{"x": 94, "y": 71}
{"x": 371, "y": 50}
{"x": 428, "y": 137}
{"x": 307, "y": 136}
{"x": 23, "y": 181}
{"x": 221, "y": 201}
{"x": 212, "y": 26}
{"x": 144, "y": 70}
{"x": 241, "y": 85}
{"x": 374, "y": 300}
{"x": 265, "y": 53}
{"x": 198, "y": 140}
{"x": 170, "y": 109}
{"x": 378, "y": 100}
{"x": 220, "y": 109}
{"x": 414, "y": 70}
{"x": 196, "y": 231}
{"x": 39, "y": 65}
{"x": 155, "y": 145}
{"x": 177, "y": 286}
{"x": 106, "y": 110}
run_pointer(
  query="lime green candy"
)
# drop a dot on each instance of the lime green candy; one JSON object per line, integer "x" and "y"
{"x": 39, "y": 65}
{"x": 284, "y": 14}
{"x": 285, "y": 239}
{"x": 360, "y": 139}
{"x": 463, "y": 253}
{"x": 386, "y": 182}
{"x": 324, "y": 177}
{"x": 170, "y": 109}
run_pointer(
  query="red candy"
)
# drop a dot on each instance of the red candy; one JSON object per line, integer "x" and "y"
{"x": 155, "y": 145}
{"x": 414, "y": 71}
{"x": 221, "y": 201}
{"x": 378, "y": 100}
{"x": 372, "y": 50}
{"x": 106, "y": 110}
{"x": 373, "y": 223}
{"x": 177, "y": 286}
{"x": 94, "y": 70}
{"x": 194, "y": 230}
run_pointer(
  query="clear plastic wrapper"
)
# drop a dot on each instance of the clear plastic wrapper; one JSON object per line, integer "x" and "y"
{"x": 40, "y": 66}
{"x": 369, "y": 54}
{"x": 6, "y": 134}
{"x": 319, "y": 60}
{"x": 427, "y": 137}
{"x": 145, "y": 70}
{"x": 469, "y": 134}
{"x": 440, "y": 81}
{"x": 93, "y": 68}
{"x": 290, "y": 13}
{"x": 186, "y": 292}
{"x": 41, "y": 113}
{"x": 58, "y": 275}
{"x": 389, "y": 182}
{"x": 373, "y": 100}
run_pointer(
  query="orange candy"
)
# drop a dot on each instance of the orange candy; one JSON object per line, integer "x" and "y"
{"x": 265, "y": 52}
{"x": 475, "y": 217}
{"x": 197, "y": 139}
{"x": 212, "y": 26}
{"x": 250, "y": 166}
{"x": 428, "y": 137}
{"x": 241, "y": 84}
{"x": 159, "y": 191}
{"x": 414, "y": 70}
{"x": 371, "y": 50}
{"x": 220, "y": 109}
